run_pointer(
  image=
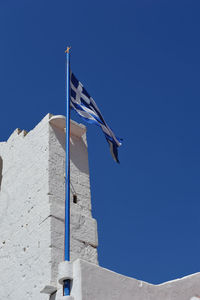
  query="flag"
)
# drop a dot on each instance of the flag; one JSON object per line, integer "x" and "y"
{"x": 86, "y": 107}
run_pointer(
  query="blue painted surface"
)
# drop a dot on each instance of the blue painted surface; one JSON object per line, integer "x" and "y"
{"x": 67, "y": 173}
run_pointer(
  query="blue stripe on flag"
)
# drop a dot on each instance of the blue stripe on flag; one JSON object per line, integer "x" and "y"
{"x": 86, "y": 107}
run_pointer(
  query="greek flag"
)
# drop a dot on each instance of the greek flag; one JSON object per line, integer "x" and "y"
{"x": 85, "y": 106}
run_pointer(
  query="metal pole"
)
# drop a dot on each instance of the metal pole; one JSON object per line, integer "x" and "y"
{"x": 66, "y": 288}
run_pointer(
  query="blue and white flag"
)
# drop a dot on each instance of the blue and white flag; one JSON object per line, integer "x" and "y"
{"x": 85, "y": 106}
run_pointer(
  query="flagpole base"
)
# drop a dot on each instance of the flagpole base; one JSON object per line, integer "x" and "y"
{"x": 65, "y": 271}
{"x": 65, "y": 276}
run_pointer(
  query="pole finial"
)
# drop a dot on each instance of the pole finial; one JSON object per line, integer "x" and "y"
{"x": 67, "y": 51}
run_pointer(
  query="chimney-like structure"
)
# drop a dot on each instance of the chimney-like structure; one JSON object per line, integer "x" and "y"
{"x": 32, "y": 199}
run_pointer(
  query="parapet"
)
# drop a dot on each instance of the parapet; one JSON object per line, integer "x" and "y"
{"x": 92, "y": 282}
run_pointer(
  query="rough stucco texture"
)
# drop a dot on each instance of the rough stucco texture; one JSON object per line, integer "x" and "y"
{"x": 92, "y": 282}
{"x": 32, "y": 195}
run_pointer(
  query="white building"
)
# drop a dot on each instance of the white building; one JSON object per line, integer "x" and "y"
{"x": 32, "y": 192}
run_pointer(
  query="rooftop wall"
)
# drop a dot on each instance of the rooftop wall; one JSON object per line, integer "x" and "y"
{"x": 92, "y": 282}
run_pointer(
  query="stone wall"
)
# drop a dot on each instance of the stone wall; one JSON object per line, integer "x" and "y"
{"x": 32, "y": 192}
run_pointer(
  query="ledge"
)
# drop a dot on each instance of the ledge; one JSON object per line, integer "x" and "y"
{"x": 48, "y": 289}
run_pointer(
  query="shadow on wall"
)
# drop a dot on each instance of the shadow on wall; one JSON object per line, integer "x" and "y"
{"x": 79, "y": 154}
{"x": 78, "y": 150}
{"x": 60, "y": 136}
{"x": 1, "y": 169}
{"x": 52, "y": 297}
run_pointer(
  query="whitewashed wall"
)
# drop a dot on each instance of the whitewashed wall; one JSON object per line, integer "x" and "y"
{"x": 32, "y": 193}
{"x": 92, "y": 282}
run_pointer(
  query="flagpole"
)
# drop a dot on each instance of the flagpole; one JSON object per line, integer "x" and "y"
{"x": 66, "y": 288}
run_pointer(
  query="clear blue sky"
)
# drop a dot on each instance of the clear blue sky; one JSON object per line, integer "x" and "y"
{"x": 140, "y": 61}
